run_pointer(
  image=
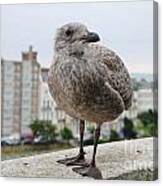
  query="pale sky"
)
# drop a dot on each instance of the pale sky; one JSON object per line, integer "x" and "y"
{"x": 125, "y": 27}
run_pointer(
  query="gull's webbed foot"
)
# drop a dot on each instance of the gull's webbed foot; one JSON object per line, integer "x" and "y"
{"x": 77, "y": 160}
{"x": 90, "y": 171}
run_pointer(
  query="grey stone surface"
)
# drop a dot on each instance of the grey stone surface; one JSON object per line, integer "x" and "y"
{"x": 123, "y": 160}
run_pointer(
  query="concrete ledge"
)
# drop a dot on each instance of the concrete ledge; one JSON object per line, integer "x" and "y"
{"x": 129, "y": 159}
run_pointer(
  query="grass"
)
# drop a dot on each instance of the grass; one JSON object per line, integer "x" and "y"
{"x": 17, "y": 151}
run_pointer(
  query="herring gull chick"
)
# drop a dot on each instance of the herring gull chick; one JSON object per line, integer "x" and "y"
{"x": 89, "y": 82}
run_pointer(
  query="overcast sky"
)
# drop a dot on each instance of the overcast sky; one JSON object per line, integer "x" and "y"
{"x": 125, "y": 27}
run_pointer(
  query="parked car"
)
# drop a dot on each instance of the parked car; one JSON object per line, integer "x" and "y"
{"x": 4, "y": 142}
{"x": 10, "y": 140}
{"x": 27, "y": 139}
{"x": 40, "y": 140}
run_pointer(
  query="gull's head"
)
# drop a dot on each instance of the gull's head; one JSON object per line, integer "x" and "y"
{"x": 73, "y": 33}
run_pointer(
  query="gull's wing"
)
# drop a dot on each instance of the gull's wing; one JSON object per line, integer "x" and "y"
{"x": 119, "y": 78}
{"x": 118, "y": 75}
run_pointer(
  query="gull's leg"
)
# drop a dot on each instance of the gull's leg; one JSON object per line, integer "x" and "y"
{"x": 79, "y": 159}
{"x": 91, "y": 170}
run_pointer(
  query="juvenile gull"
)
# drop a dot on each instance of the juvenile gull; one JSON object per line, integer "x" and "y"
{"x": 89, "y": 82}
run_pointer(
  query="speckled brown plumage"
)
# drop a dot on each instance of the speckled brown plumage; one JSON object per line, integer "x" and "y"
{"x": 88, "y": 81}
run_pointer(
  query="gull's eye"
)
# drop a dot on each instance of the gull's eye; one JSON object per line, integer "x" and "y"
{"x": 69, "y": 32}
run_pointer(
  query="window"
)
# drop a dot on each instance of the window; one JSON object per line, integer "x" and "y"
{"x": 17, "y": 67}
{"x": 26, "y": 93}
{"x": 35, "y": 76}
{"x": 17, "y": 76}
{"x": 25, "y": 102}
{"x": 8, "y": 118}
{"x": 35, "y": 68}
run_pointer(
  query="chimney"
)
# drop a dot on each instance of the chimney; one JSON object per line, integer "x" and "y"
{"x": 30, "y": 55}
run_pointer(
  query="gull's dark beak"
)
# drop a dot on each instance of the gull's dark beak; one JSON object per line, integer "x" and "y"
{"x": 92, "y": 37}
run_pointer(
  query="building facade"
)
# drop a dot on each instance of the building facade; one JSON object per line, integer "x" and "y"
{"x": 20, "y": 88}
{"x": 145, "y": 99}
{"x": 25, "y": 97}
{"x": 49, "y": 109}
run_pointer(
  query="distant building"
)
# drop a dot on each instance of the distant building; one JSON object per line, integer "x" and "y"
{"x": 47, "y": 105}
{"x": 141, "y": 84}
{"x": 144, "y": 100}
{"x": 25, "y": 97}
{"x": 144, "y": 84}
{"x": 44, "y": 74}
{"x": 49, "y": 109}
{"x": 20, "y": 92}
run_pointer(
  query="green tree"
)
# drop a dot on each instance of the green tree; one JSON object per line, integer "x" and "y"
{"x": 50, "y": 132}
{"x": 66, "y": 134}
{"x": 148, "y": 122}
{"x": 45, "y": 129}
{"x": 114, "y": 136}
{"x": 90, "y": 141}
{"x": 91, "y": 129}
{"x": 36, "y": 127}
{"x": 128, "y": 130}
{"x": 146, "y": 117}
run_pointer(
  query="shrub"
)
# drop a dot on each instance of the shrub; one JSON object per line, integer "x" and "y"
{"x": 66, "y": 134}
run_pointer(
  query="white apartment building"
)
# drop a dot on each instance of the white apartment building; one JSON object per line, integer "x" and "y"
{"x": 50, "y": 111}
{"x": 20, "y": 88}
{"x": 144, "y": 100}
{"x": 48, "y": 108}
{"x": 8, "y": 125}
